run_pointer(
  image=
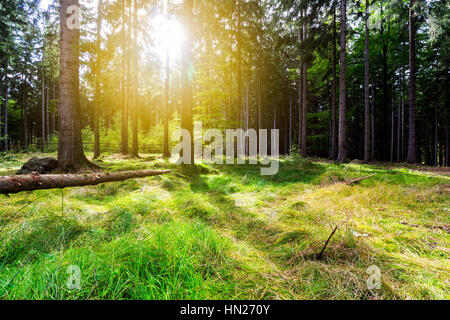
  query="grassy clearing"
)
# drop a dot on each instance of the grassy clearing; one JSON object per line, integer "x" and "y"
{"x": 229, "y": 233}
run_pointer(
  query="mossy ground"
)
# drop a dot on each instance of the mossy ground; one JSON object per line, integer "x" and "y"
{"x": 226, "y": 232}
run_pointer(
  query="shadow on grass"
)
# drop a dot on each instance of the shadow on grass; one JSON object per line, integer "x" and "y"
{"x": 38, "y": 237}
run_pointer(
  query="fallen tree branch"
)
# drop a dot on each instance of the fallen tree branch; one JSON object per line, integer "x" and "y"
{"x": 30, "y": 182}
{"x": 445, "y": 228}
{"x": 326, "y": 244}
{"x": 358, "y": 180}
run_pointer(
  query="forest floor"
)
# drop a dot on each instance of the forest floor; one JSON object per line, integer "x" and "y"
{"x": 230, "y": 233}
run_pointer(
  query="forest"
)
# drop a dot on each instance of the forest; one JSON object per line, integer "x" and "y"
{"x": 349, "y": 98}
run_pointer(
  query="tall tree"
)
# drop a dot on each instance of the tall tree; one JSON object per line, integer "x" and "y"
{"x": 166, "y": 153}
{"x": 239, "y": 57}
{"x": 135, "y": 110}
{"x": 43, "y": 110}
{"x": 333, "y": 91}
{"x": 125, "y": 78}
{"x": 187, "y": 74}
{"x": 342, "y": 152}
{"x": 303, "y": 150}
{"x": 70, "y": 147}
{"x": 300, "y": 86}
{"x": 97, "y": 98}
{"x": 366, "y": 88}
{"x": 5, "y": 114}
{"x": 412, "y": 86}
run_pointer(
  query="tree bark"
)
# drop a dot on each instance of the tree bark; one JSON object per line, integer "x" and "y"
{"x": 1, "y": 110}
{"x": 412, "y": 86}
{"x": 24, "y": 119}
{"x": 135, "y": 117}
{"x": 5, "y": 116}
{"x": 274, "y": 116}
{"x": 436, "y": 137}
{"x": 447, "y": 147}
{"x": 54, "y": 112}
{"x": 125, "y": 80}
{"x": 342, "y": 153}
{"x": 166, "y": 153}
{"x": 392, "y": 129}
{"x": 43, "y": 110}
{"x": 372, "y": 145}
{"x": 366, "y": 89}
{"x": 239, "y": 61}
{"x": 333, "y": 155}
{"x": 305, "y": 98}
{"x": 187, "y": 75}
{"x": 30, "y": 182}
{"x": 398, "y": 128}
{"x": 290, "y": 122}
{"x": 300, "y": 87}
{"x": 70, "y": 148}
{"x": 97, "y": 82}
{"x": 47, "y": 114}
{"x": 384, "y": 114}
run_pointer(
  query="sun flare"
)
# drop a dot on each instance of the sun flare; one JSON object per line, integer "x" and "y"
{"x": 169, "y": 36}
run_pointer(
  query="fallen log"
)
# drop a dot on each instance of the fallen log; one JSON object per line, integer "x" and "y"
{"x": 35, "y": 181}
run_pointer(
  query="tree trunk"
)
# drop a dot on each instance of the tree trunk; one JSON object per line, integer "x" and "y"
{"x": 366, "y": 89}
{"x": 385, "y": 97}
{"x": 399, "y": 123}
{"x": 246, "y": 119}
{"x": 43, "y": 111}
{"x": 305, "y": 96}
{"x": 412, "y": 87}
{"x": 24, "y": 120}
{"x": 70, "y": 148}
{"x": 333, "y": 155}
{"x": 402, "y": 155}
{"x": 1, "y": 110}
{"x": 187, "y": 75}
{"x": 300, "y": 88}
{"x": 239, "y": 58}
{"x": 166, "y": 153}
{"x": 342, "y": 153}
{"x": 436, "y": 137}
{"x": 135, "y": 118}
{"x": 447, "y": 147}
{"x": 392, "y": 130}
{"x": 274, "y": 116}
{"x": 290, "y": 122}
{"x": 260, "y": 69}
{"x": 372, "y": 145}
{"x": 54, "y": 112}
{"x": 5, "y": 116}
{"x": 125, "y": 80}
{"x": 30, "y": 182}
{"x": 47, "y": 115}
{"x": 97, "y": 82}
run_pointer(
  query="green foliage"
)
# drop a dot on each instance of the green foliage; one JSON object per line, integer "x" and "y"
{"x": 229, "y": 233}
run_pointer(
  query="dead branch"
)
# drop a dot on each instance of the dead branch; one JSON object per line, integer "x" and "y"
{"x": 326, "y": 244}
{"x": 358, "y": 180}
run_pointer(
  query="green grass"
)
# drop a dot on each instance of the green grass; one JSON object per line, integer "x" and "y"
{"x": 226, "y": 232}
